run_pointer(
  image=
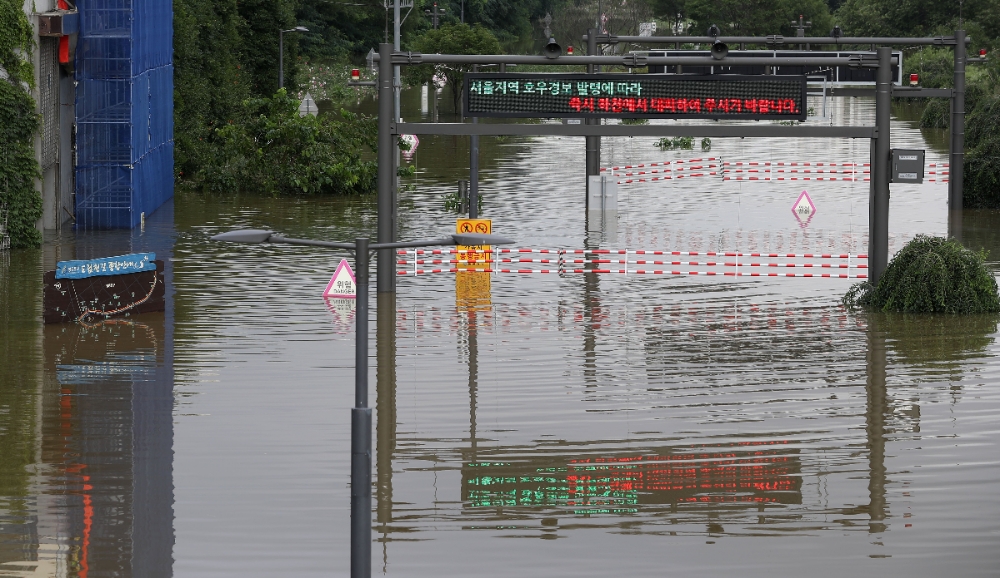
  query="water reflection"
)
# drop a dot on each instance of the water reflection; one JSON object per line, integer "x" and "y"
{"x": 86, "y": 434}
{"x": 108, "y": 435}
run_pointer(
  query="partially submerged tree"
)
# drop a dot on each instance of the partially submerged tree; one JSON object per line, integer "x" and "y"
{"x": 452, "y": 39}
{"x": 931, "y": 275}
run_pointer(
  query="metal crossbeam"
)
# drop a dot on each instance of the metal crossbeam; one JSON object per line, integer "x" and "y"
{"x": 778, "y": 39}
{"x": 630, "y": 60}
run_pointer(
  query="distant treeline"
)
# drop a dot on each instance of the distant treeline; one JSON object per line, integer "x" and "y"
{"x": 226, "y": 61}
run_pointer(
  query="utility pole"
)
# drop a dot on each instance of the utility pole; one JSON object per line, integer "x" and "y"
{"x": 397, "y": 83}
{"x": 800, "y": 28}
{"x": 435, "y": 15}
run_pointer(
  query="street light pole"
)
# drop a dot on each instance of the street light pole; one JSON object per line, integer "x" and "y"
{"x": 281, "y": 52}
{"x": 361, "y": 414}
{"x": 361, "y": 429}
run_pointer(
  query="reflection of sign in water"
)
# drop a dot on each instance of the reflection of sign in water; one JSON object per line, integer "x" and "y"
{"x": 472, "y": 290}
{"x": 343, "y": 284}
{"x": 747, "y": 472}
{"x": 804, "y": 209}
{"x": 102, "y": 295}
{"x": 120, "y": 265}
{"x": 343, "y": 311}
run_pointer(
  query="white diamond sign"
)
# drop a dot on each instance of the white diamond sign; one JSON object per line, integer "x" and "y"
{"x": 804, "y": 209}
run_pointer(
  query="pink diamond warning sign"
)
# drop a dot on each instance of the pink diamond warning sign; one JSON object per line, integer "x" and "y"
{"x": 343, "y": 283}
{"x": 804, "y": 209}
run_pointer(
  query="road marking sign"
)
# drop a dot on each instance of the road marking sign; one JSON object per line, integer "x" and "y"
{"x": 343, "y": 284}
{"x": 804, "y": 209}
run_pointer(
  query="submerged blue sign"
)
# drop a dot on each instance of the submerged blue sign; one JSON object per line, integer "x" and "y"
{"x": 121, "y": 265}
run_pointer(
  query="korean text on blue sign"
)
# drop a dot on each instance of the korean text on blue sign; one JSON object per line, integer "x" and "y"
{"x": 121, "y": 265}
{"x": 635, "y": 96}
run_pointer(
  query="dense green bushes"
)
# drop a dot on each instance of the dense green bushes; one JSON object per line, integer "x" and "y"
{"x": 931, "y": 275}
{"x": 18, "y": 123}
{"x": 270, "y": 149}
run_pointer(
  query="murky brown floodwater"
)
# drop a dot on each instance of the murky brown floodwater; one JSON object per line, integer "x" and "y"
{"x": 576, "y": 425}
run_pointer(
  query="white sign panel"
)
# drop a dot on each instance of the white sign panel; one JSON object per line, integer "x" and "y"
{"x": 343, "y": 283}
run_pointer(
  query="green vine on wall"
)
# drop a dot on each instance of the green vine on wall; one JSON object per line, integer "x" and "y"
{"x": 18, "y": 123}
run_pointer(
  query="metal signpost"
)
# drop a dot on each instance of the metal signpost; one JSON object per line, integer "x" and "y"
{"x": 361, "y": 414}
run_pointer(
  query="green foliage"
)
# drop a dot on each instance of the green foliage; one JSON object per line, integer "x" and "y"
{"x": 456, "y": 203}
{"x": 758, "y": 17}
{"x": 338, "y": 30}
{"x": 18, "y": 123}
{"x": 982, "y": 157}
{"x": 261, "y": 21}
{"x": 931, "y": 275}
{"x": 676, "y": 143}
{"x": 635, "y": 121}
{"x": 914, "y": 17}
{"x": 272, "y": 150}
{"x": 329, "y": 82}
{"x": 706, "y": 144}
{"x": 451, "y": 39}
{"x": 16, "y": 42}
{"x": 937, "y": 113}
{"x": 209, "y": 84}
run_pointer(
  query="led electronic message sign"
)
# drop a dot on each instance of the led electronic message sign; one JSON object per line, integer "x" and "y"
{"x": 714, "y": 96}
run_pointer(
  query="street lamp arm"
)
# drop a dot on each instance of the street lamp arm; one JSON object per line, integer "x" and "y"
{"x": 310, "y": 242}
{"x": 265, "y": 236}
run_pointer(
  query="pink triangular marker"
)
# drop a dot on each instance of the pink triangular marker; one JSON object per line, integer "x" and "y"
{"x": 343, "y": 284}
{"x": 804, "y": 209}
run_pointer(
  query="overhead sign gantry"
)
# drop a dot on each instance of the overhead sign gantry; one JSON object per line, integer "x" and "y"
{"x": 651, "y": 98}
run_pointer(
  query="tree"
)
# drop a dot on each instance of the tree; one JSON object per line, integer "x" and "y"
{"x": 262, "y": 19}
{"x": 759, "y": 17}
{"x": 272, "y": 150}
{"x": 452, "y": 39}
{"x": 20, "y": 203}
{"x": 209, "y": 83}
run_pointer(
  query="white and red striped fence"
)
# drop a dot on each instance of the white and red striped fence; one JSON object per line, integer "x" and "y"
{"x": 633, "y": 262}
{"x": 754, "y": 171}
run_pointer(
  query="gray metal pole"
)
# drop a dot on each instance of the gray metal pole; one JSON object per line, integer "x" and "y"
{"x": 593, "y": 143}
{"x": 957, "y": 127}
{"x": 361, "y": 430}
{"x": 386, "y": 173}
{"x": 281, "y": 59}
{"x": 397, "y": 84}
{"x": 385, "y": 405}
{"x": 474, "y": 167}
{"x": 878, "y": 201}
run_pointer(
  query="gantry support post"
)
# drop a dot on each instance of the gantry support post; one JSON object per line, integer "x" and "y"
{"x": 878, "y": 201}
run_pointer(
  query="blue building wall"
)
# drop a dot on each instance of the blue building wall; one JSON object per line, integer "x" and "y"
{"x": 124, "y": 111}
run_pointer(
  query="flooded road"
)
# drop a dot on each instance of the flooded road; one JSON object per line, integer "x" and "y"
{"x": 566, "y": 425}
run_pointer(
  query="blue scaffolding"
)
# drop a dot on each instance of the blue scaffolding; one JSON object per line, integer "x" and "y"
{"x": 124, "y": 111}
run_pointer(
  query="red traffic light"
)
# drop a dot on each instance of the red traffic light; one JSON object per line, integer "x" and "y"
{"x": 914, "y": 79}
{"x": 355, "y": 74}
{"x": 569, "y": 51}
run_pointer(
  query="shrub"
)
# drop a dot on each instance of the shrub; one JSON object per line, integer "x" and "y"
{"x": 931, "y": 275}
{"x": 272, "y": 150}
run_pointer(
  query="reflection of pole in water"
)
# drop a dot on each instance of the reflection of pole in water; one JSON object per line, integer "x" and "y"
{"x": 955, "y": 225}
{"x": 591, "y": 308}
{"x": 385, "y": 406}
{"x": 875, "y": 426}
{"x": 473, "y": 378}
